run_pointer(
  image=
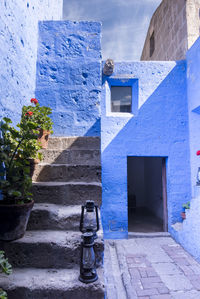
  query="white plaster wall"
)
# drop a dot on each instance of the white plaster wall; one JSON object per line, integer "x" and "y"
{"x": 18, "y": 50}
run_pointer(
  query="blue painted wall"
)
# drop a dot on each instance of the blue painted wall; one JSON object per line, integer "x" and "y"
{"x": 18, "y": 50}
{"x": 193, "y": 91}
{"x": 158, "y": 127}
{"x": 69, "y": 76}
{"x": 187, "y": 232}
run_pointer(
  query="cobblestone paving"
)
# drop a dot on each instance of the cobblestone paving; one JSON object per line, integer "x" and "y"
{"x": 150, "y": 268}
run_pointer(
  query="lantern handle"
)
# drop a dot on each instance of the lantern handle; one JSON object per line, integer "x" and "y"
{"x": 97, "y": 217}
{"x": 81, "y": 221}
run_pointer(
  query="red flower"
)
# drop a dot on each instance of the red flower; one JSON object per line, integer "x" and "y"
{"x": 29, "y": 113}
{"x": 198, "y": 153}
{"x": 35, "y": 101}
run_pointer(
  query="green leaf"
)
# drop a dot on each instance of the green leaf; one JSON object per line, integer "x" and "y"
{"x": 3, "y": 294}
{"x": 186, "y": 205}
{"x": 5, "y": 266}
{"x": 7, "y": 120}
{"x": 15, "y": 193}
{"x": 29, "y": 194}
{"x": 40, "y": 156}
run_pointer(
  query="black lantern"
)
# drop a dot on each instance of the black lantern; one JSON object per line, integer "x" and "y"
{"x": 88, "y": 263}
{"x": 89, "y": 218}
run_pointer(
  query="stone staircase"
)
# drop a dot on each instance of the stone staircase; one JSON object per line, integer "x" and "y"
{"x": 46, "y": 260}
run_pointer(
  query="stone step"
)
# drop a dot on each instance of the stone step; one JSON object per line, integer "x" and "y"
{"x": 62, "y": 143}
{"x": 80, "y": 157}
{"x": 67, "y": 193}
{"x": 65, "y": 173}
{"x": 54, "y": 217}
{"x": 48, "y": 249}
{"x": 33, "y": 283}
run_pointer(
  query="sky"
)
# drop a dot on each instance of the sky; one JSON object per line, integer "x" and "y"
{"x": 124, "y": 23}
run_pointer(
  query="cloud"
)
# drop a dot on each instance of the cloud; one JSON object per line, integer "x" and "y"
{"x": 124, "y": 23}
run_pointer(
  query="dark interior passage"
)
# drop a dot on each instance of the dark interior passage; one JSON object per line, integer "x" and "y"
{"x": 145, "y": 194}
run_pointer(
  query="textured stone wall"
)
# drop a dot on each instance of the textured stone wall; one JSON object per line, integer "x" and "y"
{"x": 69, "y": 76}
{"x": 169, "y": 24}
{"x": 193, "y": 20}
{"x": 159, "y": 128}
{"x": 18, "y": 50}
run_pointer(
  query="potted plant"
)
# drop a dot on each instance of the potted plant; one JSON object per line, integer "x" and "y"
{"x": 40, "y": 115}
{"x": 185, "y": 207}
{"x": 198, "y": 171}
{"x": 6, "y": 268}
{"x": 16, "y": 149}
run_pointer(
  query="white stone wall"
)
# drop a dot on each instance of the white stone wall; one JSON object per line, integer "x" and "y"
{"x": 18, "y": 50}
{"x": 193, "y": 20}
{"x": 176, "y": 26}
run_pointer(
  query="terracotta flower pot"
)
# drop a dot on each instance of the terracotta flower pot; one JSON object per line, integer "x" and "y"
{"x": 183, "y": 215}
{"x": 43, "y": 137}
{"x": 13, "y": 220}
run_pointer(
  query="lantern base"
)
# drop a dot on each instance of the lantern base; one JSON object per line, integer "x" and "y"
{"x": 88, "y": 279}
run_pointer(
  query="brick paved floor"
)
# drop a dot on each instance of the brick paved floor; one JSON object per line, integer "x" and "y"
{"x": 150, "y": 268}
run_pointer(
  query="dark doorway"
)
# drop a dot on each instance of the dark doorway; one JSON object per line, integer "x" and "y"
{"x": 147, "y": 200}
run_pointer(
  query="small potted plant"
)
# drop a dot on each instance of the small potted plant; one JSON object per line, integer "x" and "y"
{"x": 40, "y": 115}
{"x": 185, "y": 206}
{"x": 198, "y": 171}
{"x": 5, "y": 268}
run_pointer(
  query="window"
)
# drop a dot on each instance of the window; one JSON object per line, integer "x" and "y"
{"x": 121, "y": 98}
{"x": 152, "y": 44}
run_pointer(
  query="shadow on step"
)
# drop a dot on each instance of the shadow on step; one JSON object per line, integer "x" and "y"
{"x": 70, "y": 165}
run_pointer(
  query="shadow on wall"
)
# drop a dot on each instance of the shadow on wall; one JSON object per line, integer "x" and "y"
{"x": 95, "y": 129}
{"x": 159, "y": 130}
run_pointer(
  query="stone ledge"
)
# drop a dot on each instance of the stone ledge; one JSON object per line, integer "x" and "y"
{"x": 148, "y": 235}
{"x": 74, "y": 143}
{"x": 64, "y": 173}
{"x": 33, "y": 283}
{"x": 71, "y": 156}
{"x": 67, "y": 193}
{"x": 46, "y": 216}
{"x": 49, "y": 249}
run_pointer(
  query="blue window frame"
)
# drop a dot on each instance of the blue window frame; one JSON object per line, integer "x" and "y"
{"x": 122, "y": 96}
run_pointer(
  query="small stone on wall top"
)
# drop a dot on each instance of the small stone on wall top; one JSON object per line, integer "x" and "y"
{"x": 108, "y": 68}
